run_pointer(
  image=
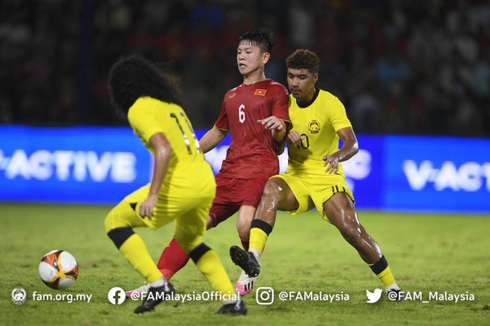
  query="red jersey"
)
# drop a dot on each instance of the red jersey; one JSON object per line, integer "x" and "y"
{"x": 251, "y": 152}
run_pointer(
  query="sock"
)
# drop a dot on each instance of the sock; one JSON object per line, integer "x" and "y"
{"x": 245, "y": 244}
{"x": 135, "y": 252}
{"x": 158, "y": 283}
{"x": 259, "y": 232}
{"x": 209, "y": 264}
{"x": 256, "y": 253}
{"x": 394, "y": 286}
{"x": 383, "y": 271}
{"x": 173, "y": 259}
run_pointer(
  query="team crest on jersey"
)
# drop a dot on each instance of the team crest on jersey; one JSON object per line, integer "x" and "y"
{"x": 260, "y": 92}
{"x": 232, "y": 95}
{"x": 314, "y": 126}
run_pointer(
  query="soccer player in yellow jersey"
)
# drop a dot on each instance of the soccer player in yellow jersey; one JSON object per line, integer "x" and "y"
{"x": 182, "y": 187}
{"x": 314, "y": 177}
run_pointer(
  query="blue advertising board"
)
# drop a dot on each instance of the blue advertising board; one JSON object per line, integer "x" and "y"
{"x": 71, "y": 165}
{"x": 436, "y": 174}
{"x": 102, "y": 165}
{"x": 364, "y": 172}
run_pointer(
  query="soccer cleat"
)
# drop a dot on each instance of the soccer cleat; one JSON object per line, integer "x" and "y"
{"x": 154, "y": 297}
{"x": 139, "y": 292}
{"x": 246, "y": 260}
{"x": 394, "y": 294}
{"x": 236, "y": 308}
{"x": 245, "y": 284}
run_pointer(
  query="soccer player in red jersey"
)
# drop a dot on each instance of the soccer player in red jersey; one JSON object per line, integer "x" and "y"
{"x": 255, "y": 114}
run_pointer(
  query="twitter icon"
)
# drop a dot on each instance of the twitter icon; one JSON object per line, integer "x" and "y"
{"x": 373, "y": 296}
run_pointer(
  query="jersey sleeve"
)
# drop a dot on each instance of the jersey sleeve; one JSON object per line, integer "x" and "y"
{"x": 142, "y": 119}
{"x": 280, "y": 104}
{"x": 222, "y": 121}
{"x": 338, "y": 116}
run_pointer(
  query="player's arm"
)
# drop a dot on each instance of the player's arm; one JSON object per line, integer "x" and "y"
{"x": 278, "y": 122}
{"x": 278, "y": 131}
{"x": 349, "y": 148}
{"x": 280, "y": 145}
{"x": 163, "y": 149}
{"x": 292, "y": 138}
{"x": 276, "y": 126}
{"x": 212, "y": 138}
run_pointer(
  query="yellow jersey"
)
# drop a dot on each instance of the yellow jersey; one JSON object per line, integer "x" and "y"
{"x": 318, "y": 121}
{"x": 188, "y": 171}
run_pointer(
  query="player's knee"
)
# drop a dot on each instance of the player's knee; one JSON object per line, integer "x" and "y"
{"x": 272, "y": 192}
{"x": 115, "y": 231}
{"x": 351, "y": 231}
{"x": 351, "y": 234}
{"x": 199, "y": 251}
{"x": 188, "y": 243}
{"x": 243, "y": 225}
{"x": 109, "y": 222}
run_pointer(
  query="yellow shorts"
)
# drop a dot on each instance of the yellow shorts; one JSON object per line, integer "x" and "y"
{"x": 312, "y": 191}
{"x": 189, "y": 212}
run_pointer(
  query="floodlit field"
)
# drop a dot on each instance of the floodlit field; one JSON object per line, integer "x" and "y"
{"x": 431, "y": 256}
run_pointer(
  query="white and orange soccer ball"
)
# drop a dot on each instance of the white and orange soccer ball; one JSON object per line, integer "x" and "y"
{"x": 58, "y": 269}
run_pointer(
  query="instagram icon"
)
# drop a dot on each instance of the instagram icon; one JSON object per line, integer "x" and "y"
{"x": 265, "y": 296}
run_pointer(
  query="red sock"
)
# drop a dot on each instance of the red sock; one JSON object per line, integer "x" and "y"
{"x": 245, "y": 244}
{"x": 173, "y": 259}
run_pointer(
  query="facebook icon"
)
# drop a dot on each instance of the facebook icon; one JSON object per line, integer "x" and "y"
{"x": 116, "y": 296}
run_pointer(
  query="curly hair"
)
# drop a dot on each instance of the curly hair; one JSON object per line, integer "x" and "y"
{"x": 303, "y": 59}
{"x": 261, "y": 37}
{"x": 134, "y": 77}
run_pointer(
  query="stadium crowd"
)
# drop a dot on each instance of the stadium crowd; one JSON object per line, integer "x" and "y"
{"x": 399, "y": 66}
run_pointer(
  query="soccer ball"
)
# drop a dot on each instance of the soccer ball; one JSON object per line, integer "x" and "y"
{"x": 58, "y": 269}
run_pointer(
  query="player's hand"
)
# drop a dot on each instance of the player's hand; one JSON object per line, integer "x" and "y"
{"x": 333, "y": 163}
{"x": 295, "y": 139}
{"x": 147, "y": 206}
{"x": 271, "y": 123}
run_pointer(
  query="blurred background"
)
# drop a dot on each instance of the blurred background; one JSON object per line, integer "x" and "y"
{"x": 399, "y": 66}
{"x": 414, "y": 77}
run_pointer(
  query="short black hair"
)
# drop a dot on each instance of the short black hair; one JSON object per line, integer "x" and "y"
{"x": 261, "y": 37}
{"x": 134, "y": 77}
{"x": 303, "y": 59}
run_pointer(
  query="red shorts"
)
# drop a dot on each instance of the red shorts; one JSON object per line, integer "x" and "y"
{"x": 231, "y": 194}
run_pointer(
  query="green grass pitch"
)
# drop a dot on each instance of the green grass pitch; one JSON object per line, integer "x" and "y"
{"x": 427, "y": 254}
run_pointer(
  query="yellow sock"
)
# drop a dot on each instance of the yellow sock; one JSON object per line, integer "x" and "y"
{"x": 210, "y": 265}
{"x": 258, "y": 238}
{"x": 383, "y": 272}
{"x": 386, "y": 277}
{"x": 135, "y": 252}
